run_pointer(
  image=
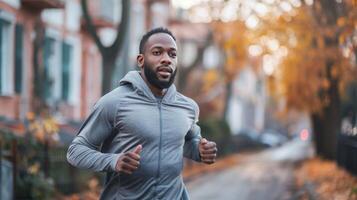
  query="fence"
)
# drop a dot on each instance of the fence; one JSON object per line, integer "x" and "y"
{"x": 7, "y": 170}
{"x": 6, "y": 181}
{"x": 68, "y": 179}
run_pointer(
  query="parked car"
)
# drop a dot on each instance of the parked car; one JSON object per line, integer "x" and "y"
{"x": 272, "y": 138}
{"x": 247, "y": 140}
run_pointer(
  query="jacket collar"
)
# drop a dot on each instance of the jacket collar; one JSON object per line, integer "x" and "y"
{"x": 134, "y": 78}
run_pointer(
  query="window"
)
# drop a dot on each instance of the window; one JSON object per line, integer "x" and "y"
{"x": 61, "y": 58}
{"x": 1, "y": 58}
{"x": 49, "y": 56}
{"x": 18, "y": 57}
{"x": 6, "y": 70}
{"x": 58, "y": 65}
{"x": 66, "y": 67}
{"x": 111, "y": 10}
{"x": 13, "y": 3}
{"x": 159, "y": 15}
{"x": 136, "y": 31}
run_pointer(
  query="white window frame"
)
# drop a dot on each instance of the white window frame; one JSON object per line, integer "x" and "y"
{"x": 7, "y": 65}
{"x": 14, "y": 3}
{"x": 53, "y": 16}
{"x": 136, "y": 32}
{"x": 159, "y": 15}
{"x": 55, "y": 64}
{"x": 73, "y": 15}
{"x": 75, "y": 70}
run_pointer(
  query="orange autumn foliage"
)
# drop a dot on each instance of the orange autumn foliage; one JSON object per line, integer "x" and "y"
{"x": 302, "y": 77}
{"x": 330, "y": 181}
{"x": 233, "y": 39}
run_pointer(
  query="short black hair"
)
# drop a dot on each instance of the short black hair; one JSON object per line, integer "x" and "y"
{"x": 148, "y": 34}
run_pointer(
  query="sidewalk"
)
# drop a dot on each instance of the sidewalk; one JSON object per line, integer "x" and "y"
{"x": 266, "y": 175}
{"x": 194, "y": 169}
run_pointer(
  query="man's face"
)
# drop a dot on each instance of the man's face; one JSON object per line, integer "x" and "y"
{"x": 158, "y": 63}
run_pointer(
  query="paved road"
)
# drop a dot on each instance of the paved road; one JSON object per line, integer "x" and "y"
{"x": 267, "y": 175}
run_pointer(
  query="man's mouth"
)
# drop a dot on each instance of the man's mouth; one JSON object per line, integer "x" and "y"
{"x": 164, "y": 72}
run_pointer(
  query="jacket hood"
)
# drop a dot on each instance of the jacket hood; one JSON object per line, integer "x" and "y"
{"x": 137, "y": 82}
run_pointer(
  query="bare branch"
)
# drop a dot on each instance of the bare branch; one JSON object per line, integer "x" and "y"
{"x": 200, "y": 52}
{"x": 91, "y": 27}
{"x": 121, "y": 28}
{"x": 185, "y": 71}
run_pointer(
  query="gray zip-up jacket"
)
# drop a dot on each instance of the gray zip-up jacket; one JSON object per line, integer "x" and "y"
{"x": 131, "y": 115}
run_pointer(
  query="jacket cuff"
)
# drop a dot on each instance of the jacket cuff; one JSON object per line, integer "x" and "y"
{"x": 114, "y": 161}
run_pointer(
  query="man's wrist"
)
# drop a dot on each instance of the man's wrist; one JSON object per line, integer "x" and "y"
{"x": 114, "y": 161}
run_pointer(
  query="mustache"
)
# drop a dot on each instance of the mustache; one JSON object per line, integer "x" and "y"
{"x": 167, "y": 68}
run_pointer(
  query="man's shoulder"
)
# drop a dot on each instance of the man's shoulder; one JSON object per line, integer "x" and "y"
{"x": 187, "y": 100}
{"x": 112, "y": 97}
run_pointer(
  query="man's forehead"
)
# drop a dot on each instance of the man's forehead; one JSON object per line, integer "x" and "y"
{"x": 161, "y": 40}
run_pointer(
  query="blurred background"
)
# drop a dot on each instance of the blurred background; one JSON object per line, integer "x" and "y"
{"x": 275, "y": 80}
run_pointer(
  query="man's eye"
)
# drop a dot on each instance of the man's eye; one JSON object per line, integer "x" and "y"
{"x": 172, "y": 54}
{"x": 156, "y": 53}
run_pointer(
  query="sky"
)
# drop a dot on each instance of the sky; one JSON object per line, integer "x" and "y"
{"x": 250, "y": 12}
{"x": 235, "y": 9}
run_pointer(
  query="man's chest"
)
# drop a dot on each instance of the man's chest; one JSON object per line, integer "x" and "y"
{"x": 148, "y": 121}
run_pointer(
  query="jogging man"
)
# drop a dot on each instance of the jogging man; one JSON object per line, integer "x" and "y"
{"x": 139, "y": 132}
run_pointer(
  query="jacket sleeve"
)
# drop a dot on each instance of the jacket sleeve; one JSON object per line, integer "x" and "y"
{"x": 192, "y": 139}
{"x": 84, "y": 150}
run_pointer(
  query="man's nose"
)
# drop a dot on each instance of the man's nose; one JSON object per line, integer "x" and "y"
{"x": 166, "y": 59}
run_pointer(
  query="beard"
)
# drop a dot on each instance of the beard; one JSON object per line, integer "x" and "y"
{"x": 153, "y": 79}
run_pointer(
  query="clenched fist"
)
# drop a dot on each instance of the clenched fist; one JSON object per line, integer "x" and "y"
{"x": 129, "y": 161}
{"x": 208, "y": 151}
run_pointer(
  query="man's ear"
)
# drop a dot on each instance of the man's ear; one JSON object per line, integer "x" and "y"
{"x": 140, "y": 60}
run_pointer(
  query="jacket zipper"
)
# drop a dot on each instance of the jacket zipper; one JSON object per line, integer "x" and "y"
{"x": 160, "y": 141}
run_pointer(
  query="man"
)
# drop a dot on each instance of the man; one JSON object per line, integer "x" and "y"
{"x": 139, "y": 132}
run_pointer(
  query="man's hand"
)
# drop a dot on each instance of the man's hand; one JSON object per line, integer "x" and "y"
{"x": 129, "y": 161}
{"x": 208, "y": 151}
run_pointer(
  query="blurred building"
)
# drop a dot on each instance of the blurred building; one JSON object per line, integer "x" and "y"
{"x": 251, "y": 109}
{"x": 248, "y": 100}
{"x": 71, "y": 59}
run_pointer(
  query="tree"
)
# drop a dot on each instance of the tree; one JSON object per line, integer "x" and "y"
{"x": 109, "y": 53}
{"x": 185, "y": 71}
{"x": 312, "y": 46}
{"x": 233, "y": 39}
{"x": 314, "y": 73}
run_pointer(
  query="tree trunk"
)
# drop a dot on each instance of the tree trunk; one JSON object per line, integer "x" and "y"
{"x": 327, "y": 124}
{"x": 226, "y": 101}
{"x": 184, "y": 72}
{"x": 183, "y": 77}
{"x": 326, "y": 129}
{"x": 107, "y": 74}
{"x": 38, "y": 101}
{"x": 109, "y": 53}
{"x": 318, "y": 129}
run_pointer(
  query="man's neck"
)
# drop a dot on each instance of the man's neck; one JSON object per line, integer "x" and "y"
{"x": 156, "y": 91}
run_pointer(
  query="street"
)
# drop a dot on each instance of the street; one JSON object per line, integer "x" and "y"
{"x": 267, "y": 175}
